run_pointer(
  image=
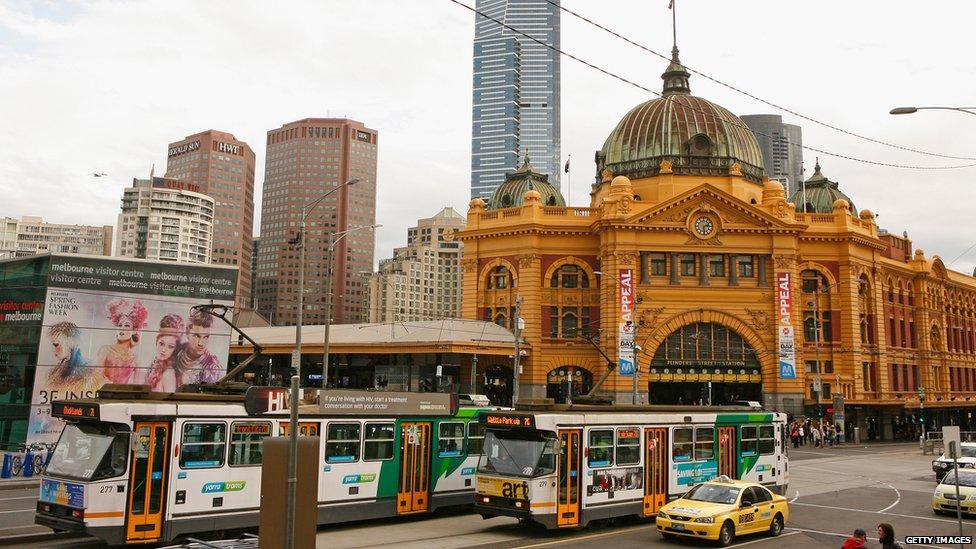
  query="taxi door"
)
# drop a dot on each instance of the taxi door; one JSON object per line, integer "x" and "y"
{"x": 748, "y": 516}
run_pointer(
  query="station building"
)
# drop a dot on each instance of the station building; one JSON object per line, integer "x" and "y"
{"x": 738, "y": 290}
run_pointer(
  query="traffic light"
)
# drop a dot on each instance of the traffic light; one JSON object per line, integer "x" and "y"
{"x": 819, "y": 411}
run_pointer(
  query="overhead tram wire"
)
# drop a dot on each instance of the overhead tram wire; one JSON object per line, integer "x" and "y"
{"x": 625, "y": 80}
{"x": 753, "y": 96}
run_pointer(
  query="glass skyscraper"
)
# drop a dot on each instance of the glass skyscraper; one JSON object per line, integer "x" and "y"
{"x": 515, "y": 107}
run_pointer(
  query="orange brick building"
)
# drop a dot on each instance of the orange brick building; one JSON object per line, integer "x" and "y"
{"x": 681, "y": 205}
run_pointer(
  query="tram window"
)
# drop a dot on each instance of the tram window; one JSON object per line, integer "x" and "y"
{"x": 683, "y": 448}
{"x": 476, "y": 438}
{"x": 628, "y": 446}
{"x": 600, "y": 451}
{"x": 342, "y": 443}
{"x": 378, "y": 441}
{"x": 450, "y": 439}
{"x": 245, "y": 442}
{"x": 704, "y": 443}
{"x": 748, "y": 440}
{"x": 203, "y": 445}
{"x": 767, "y": 439}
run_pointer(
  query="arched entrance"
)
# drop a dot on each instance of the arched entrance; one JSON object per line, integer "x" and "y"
{"x": 563, "y": 379}
{"x": 498, "y": 385}
{"x": 704, "y": 363}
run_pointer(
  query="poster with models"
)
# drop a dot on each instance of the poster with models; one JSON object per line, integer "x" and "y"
{"x": 92, "y": 337}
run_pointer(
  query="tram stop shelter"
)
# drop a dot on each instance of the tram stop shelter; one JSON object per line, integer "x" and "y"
{"x": 424, "y": 356}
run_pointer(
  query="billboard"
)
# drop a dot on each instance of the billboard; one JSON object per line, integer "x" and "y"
{"x": 625, "y": 340}
{"x": 786, "y": 337}
{"x": 126, "y": 322}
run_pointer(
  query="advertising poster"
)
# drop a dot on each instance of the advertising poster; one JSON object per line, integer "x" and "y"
{"x": 625, "y": 348}
{"x": 787, "y": 339}
{"x": 126, "y": 322}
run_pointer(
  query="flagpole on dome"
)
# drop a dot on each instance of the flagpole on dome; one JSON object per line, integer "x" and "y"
{"x": 569, "y": 181}
{"x": 674, "y": 25}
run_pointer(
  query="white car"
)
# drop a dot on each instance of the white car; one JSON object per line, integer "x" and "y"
{"x": 943, "y": 465}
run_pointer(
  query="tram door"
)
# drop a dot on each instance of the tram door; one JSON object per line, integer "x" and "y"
{"x": 655, "y": 469}
{"x": 414, "y": 488}
{"x": 147, "y": 484}
{"x": 726, "y": 452}
{"x": 568, "y": 491}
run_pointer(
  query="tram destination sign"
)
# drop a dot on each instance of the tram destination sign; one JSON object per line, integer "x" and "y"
{"x": 382, "y": 403}
{"x": 73, "y": 410}
{"x": 508, "y": 420}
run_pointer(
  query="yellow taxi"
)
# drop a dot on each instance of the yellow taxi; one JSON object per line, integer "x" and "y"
{"x": 944, "y": 499}
{"x": 722, "y": 509}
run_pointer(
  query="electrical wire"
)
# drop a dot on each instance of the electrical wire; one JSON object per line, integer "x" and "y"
{"x": 742, "y": 126}
{"x": 753, "y": 96}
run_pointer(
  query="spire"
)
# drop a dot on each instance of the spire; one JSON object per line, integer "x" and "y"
{"x": 676, "y": 76}
{"x": 526, "y": 165}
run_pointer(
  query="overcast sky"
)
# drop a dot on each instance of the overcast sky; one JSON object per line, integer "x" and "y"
{"x": 104, "y": 86}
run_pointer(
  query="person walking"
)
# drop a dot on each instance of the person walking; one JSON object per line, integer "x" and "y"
{"x": 886, "y": 536}
{"x": 857, "y": 540}
{"x": 803, "y": 436}
{"x": 795, "y": 436}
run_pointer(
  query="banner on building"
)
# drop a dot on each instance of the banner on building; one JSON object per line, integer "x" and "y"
{"x": 126, "y": 322}
{"x": 787, "y": 339}
{"x": 625, "y": 339}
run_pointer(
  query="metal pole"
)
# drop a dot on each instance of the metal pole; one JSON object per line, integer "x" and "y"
{"x": 292, "y": 466}
{"x": 474, "y": 374}
{"x": 517, "y": 362}
{"x": 296, "y": 356}
{"x": 955, "y": 466}
{"x": 328, "y": 311}
{"x": 816, "y": 340}
{"x": 633, "y": 398}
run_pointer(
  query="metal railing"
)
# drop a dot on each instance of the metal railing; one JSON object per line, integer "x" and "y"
{"x": 965, "y": 436}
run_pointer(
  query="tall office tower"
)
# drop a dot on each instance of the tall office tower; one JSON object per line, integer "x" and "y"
{"x": 515, "y": 92}
{"x": 165, "y": 220}
{"x": 422, "y": 281}
{"x": 305, "y": 160}
{"x": 223, "y": 168}
{"x": 31, "y": 235}
{"x": 782, "y": 148}
{"x": 255, "y": 253}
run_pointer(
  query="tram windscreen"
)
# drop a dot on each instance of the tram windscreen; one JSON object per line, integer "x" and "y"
{"x": 90, "y": 451}
{"x": 519, "y": 453}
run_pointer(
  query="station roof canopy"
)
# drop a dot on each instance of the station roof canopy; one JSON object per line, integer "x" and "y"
{"x": 438, "y": 336}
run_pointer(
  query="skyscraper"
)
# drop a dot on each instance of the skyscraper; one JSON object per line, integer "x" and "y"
{"x": 782, "y": 148}
{"x": 306, "y": 159}
{"x": 165, "y": 220}
{"x": 223, "y": 168}
{"x": 515, "y": 92}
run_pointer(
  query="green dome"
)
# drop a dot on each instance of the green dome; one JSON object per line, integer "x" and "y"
{"x": 817, "y": 194}
{"x": 511, "y": 193}
{"x": 697, "y": 136}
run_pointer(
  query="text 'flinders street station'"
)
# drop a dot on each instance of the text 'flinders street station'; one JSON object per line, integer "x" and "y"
{"x": 733, "y": 289}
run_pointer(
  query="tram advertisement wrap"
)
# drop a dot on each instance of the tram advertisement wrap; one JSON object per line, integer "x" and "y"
{"x": 94, "y": 334}
{"x": 787, "y": 339}
{"x": 625, "y": 348}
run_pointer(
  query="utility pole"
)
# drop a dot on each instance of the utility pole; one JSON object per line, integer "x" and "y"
{"x": 818, "y": 382}
{"x": 517, "y": 362}
{"x": 474, "y": 374}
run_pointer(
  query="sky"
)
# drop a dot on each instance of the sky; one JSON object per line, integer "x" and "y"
{"x": 104, "y": 86}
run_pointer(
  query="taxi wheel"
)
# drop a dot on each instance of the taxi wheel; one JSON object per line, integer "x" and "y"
{"x": 726, "y": 534}
{"x": 776, "y": 527}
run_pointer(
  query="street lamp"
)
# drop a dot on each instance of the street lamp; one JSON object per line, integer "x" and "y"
{"x": 912, "y": 110}
{"x": 296, "y": 362}
{"x": 636, "y": 362}
{"x": 334, "y": 238}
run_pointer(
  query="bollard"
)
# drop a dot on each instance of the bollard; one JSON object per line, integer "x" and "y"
{"x": 29, "y": 465}
{"x": 5, "y": 470}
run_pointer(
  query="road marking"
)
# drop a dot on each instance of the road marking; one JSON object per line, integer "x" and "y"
{"x": 21, "y": 497}
{"x": 795, "y": 496}
{"x": 31, "y": 510}
{"x": 879, "y": 513}
{"x": 591, "y": 536}
{"x": 806, "y": 530}
{"x": 897, "y": 493}
{"x": 814, "y": 453}
{"x": 896, "y": 500}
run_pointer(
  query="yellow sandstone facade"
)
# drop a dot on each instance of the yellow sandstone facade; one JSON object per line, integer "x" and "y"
{"x": 680, "y": 201}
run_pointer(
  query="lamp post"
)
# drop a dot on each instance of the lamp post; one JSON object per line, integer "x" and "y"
{"x": 912, "y": 110}
{"x": 636, "y": 363}
{"x": 334, "y": 238}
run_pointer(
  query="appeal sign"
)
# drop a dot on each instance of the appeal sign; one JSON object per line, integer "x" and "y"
{"x": 786, "y": 339}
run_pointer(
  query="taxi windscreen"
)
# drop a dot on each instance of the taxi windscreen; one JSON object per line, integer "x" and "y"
{"x": 713, "y": 493}
{"x": 519, "y": 453}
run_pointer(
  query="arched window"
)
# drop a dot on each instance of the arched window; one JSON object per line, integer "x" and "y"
{"x": 506, "y": 200}
{"x": 814, "y": 282}
{"x": 569, "y": 323}
{"x": 501, "y": 320}
{"x": 499, "y": 278}
{"x": 569, "y": 276}
{"x": 865, "y": 310}
{"x": 551, "y": 201}
{"x": 700, "y": 145}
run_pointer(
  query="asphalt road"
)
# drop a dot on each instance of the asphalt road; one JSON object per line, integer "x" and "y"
{"x": 832, "y": 491}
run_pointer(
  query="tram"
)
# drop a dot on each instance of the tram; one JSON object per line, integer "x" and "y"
{"x": 564, "y": 466}
{"x": 134, "y": 466}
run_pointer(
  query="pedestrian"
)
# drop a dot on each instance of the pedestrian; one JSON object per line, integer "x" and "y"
{"x": 886, "y": 535}
{"x": 803, "y": 435}
{"x": 816, "y": 437}
{"x": 856, "y": 541}
{"x": 795, "y": 436}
